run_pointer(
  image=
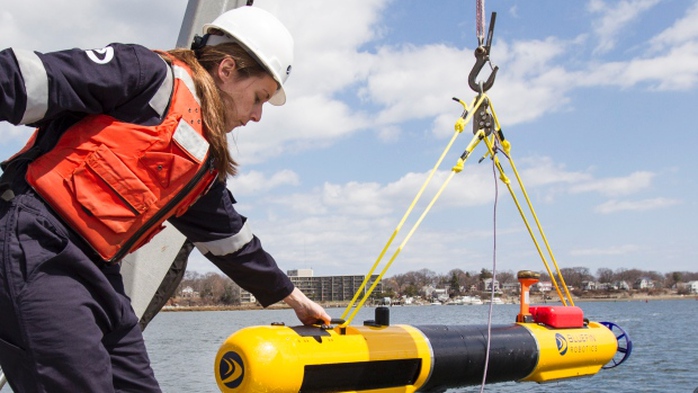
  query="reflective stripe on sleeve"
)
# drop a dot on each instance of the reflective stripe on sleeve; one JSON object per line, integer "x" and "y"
{"x": 228, "y": 245}
{"x": 35, "y": 83}
{"x": 161, "y": 99}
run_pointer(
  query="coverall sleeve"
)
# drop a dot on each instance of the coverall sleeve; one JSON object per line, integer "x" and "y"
{"x": 118, "y": 80}
{"x": 223, "y": 236}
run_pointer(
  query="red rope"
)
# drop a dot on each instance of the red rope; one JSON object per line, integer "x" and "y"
{"x": 480, "y": 20}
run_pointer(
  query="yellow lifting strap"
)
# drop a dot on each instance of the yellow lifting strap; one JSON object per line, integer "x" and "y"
{"x": 459, "y": 127}
{"x": 494, "y": 139}
{"x": 499, "y": 137}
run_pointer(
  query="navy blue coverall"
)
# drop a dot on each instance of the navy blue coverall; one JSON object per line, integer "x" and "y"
{"x": 66, "y": 324}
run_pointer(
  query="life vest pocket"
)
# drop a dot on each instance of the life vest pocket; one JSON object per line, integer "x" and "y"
{"x": 167, "y": 168}
{"x": 105, "y": 187}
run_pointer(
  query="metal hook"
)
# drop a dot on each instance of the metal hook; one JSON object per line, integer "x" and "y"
{"x": 482, "y": 56}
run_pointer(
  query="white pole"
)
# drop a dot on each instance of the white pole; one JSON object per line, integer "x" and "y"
{"x": 201, "y": 12}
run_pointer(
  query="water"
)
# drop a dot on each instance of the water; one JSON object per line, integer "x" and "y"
{"x": 183, "y": 345}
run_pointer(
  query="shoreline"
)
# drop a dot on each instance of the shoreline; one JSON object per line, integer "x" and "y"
{"x": 510, "y": 300}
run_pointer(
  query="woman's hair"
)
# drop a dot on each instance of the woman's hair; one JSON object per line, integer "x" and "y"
{"x": 204, "y": 62}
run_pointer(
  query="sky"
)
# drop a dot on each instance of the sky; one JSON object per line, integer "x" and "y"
{"x": 598, "y": 99}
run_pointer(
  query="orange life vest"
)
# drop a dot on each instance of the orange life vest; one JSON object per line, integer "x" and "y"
{"x": 115, "y": 183}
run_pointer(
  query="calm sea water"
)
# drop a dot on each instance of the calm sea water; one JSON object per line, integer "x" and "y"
{"x": 183, "y": 345}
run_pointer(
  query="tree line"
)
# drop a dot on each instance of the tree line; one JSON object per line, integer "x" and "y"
{"x": 213, "y": 288}
{"x": 412, "y": 282}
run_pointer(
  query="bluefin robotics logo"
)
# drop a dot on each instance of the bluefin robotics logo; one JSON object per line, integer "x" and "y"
{"x": 561, "y": 342}
{"x": 231, "y": 370}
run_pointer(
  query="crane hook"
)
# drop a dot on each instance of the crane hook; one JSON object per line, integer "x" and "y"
{"x": 482, "y": 56}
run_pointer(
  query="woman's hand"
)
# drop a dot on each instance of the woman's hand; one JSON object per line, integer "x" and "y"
{"x": 306, "y": 310}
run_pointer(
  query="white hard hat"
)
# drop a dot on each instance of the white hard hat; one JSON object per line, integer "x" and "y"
{"x": 263, "y": 36}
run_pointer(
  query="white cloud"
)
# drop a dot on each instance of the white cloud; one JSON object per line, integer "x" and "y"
{"x": 614, "y": 206}
{"x": 342, "y": 85}
{"x": 412, "y": 82}
{"x": 399, "y": 83}
{"x": 514, "y": 11}
{"x": 544, "y": 171}
{"x": 252, "y": 182}
{"x": 670, "y": 59}
{"x": 630, "y": 184}
{"x": 305, "y": 122}
{"x": 472, "y": 187}
{"x": 613, "y": 19}
{"x": 328, "y": 39}
{"x": 89, "y": 23}
{"x": 624, "y": 249}
{"x": 675, "y": 70}
{"x": 371, "y": 199}
{"x": 20, "y": 133}
{"x": 682, "y": 31}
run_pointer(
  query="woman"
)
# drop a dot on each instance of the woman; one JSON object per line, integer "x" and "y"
{"x": 126, "y": 139}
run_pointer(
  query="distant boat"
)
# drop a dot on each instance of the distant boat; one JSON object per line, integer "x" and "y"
{"x": 471, "y": 300}
{"x": 494, "y": 301}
